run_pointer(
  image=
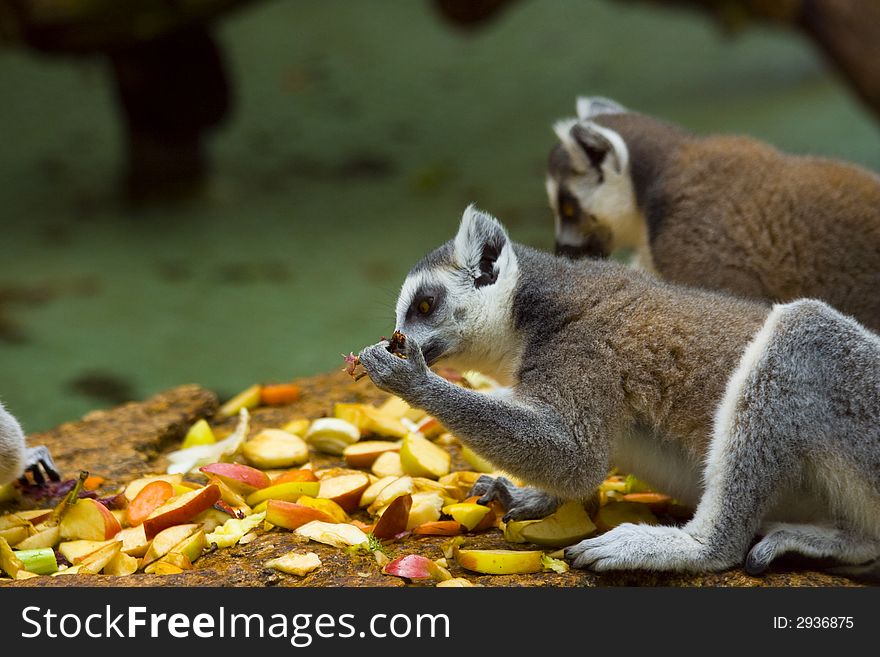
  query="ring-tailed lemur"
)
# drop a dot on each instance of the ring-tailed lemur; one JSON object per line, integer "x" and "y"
{"x": 721, "y": 212}
{"x": 16, "y": 458}
{"x": 752, "y": 413}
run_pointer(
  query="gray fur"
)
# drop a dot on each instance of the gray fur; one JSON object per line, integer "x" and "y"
{"x": 12, "y": 449}
{"x": 608, "y": 358}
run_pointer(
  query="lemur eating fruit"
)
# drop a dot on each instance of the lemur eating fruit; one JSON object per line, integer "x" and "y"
{"x": 767, "y": 419}
{"x": 721, "y": 212}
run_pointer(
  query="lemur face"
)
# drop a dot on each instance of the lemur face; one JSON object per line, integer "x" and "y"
{"x": 579, "y": 232}
{"x": 456, "y": 302}
{"x": 588, "y": 184}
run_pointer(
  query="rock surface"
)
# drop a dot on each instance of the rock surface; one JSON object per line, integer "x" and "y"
{"x": 131, "y": 440}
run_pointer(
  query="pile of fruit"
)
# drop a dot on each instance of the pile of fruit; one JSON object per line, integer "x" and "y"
{"x": 220, "y": 491}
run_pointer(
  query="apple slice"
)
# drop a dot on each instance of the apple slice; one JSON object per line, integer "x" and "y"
{"x": 95, "y": 562}
{"x": 231, "y": 497}
{"x": 171, "y": 564}
{"x": 136, "y": 486}
{"x": 374, "y": 489}
{"x": 181, "y": 509}
{"x": 332, "y": 435}
{"x": 329, "y": 507}
{"x": 455, "y": 582}
{"x": 394, "y": 407}
{"x": 289, "y": 492}
{"x": 302, "y": 474}
{"x": 90, "y": 520}
{"x": 422, "y": 458}
{"x": 45, "y": 538}
{"x": 292, "y": 516}
{"x": 200, "y": 433}
{"x": 426, "y": 507}
{"x": 241, "y": 478}
{"x": 297, "y": 427}
{"x": 15, "y": 535}
{"x": 364, "y": 453}
{"x": 150, "y": 498}
{"x": 134, "y": 541}
{"x": 439, "y": 528}
{"x": 476, "y": 461}
{"x": 345, "y": 490}
{"x": 191, "y": 547}
{"x": 566, "y": 526}
{"x": 617, "y": 513}
{"x": 500, "y": 562}
{"x": 166, "y": 539}
{"x": 163, "y": 568}
{"x": 76, "y": 551}
{"x": 394, "y": 517}
{"x": 399, "y": 486}
{"x": 294, "y": 563}
{"x": 388, "y": 464}
{"x": 248, "y": 398}
{"x": 468, "y": 514}
{"x": 275, "y": 448}
{"x": 121, "y": 565}
{"x": 415, "y": 566}
{"x": 430, "y": 427}
{"x": 657, "y": 502}
{"x": 335, "y": 534}
{"x": 458, "y": 484}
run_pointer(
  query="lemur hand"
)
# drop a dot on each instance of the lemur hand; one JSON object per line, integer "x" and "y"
{"x": 391, "y": 372}
{"x": 521, "y": 503}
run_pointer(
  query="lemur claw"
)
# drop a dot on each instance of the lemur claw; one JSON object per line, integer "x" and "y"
{"x": 521, "y": 503}
{"x": 39, "y": 460}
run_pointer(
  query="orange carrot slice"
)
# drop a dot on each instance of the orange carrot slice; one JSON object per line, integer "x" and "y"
{"x": 150, "y": 498}
{"x": 279, "y": 394}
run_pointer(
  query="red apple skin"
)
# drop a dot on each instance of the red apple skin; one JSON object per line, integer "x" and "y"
{"x": 290, "y": 515}
{"x": 295, "y": 475}
{"x": 238, "y": 476}
{"x": 412, "y": 566}
{"x": 393, "y": 520}
{"x": 195, "y": 502}
{"x": 350, "y": 499}
{"x": 108, "y": 521}
{"x": 440, "y": 528}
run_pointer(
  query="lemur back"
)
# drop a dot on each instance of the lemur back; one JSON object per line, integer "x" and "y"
{"x": 734, "y": 214}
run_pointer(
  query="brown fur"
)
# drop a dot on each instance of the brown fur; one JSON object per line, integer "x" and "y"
{"x": 732, "y": 213}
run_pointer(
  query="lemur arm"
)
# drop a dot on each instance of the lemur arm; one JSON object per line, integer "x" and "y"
{"x": 525, "y": 437}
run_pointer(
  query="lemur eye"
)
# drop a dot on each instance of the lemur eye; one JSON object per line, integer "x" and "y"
{"x": 568, "y": 210}
{"x": 425, "y": 304}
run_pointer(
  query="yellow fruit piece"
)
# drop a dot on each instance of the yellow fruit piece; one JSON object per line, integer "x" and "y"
{"x": 199, "y": 433}
{"x": 288, "y": 491}
{"x": 329, "y": 507}
{"x": 616, "y": 513}
{"x": 468, "y": 514}
{"x": 500, "y": 562}
{"x": 476, "y": 461}
{"x": 568, "y": 525}
{"x": 295, "y": 563}
{"x": 249, "y": 398}
{"x": 275, "y": 448}
{"x": 297, "y": 427}
{"x": 422, "y": 458}
{"x": 332, "y": 435}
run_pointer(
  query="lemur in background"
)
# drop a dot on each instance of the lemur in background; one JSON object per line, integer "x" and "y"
{"x": 767, "y": 419}
{"x": 721, "y": 212}
{"x": 16, "y": 458}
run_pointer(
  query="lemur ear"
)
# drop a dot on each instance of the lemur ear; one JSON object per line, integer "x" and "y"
{"x": 590, "y": 106}
{"x": 599, "y": 146}
{"x": 482, "y": 247}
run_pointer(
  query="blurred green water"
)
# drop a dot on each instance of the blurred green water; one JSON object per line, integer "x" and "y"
{"x": 361, "y": 132}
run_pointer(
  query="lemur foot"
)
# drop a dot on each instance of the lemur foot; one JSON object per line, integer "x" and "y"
{"x": 521, "y": 503}
{"x": 36, "y": 457}
{"x": 643, "y": 547}
{"x": 811, "y": 541}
